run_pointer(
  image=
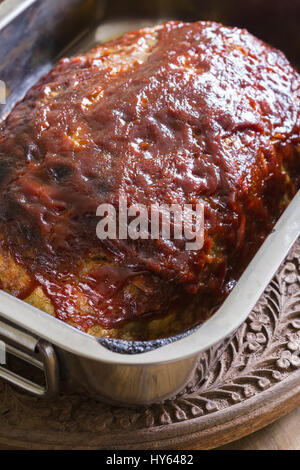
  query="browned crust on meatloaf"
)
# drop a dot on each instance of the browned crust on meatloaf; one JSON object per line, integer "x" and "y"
{"x": 179, "y": 113}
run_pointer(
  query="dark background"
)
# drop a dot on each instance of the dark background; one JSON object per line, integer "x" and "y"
{"x": 275, "y": 21}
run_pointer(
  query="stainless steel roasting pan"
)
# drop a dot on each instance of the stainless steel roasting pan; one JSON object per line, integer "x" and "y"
{"x": 33, "y": 35}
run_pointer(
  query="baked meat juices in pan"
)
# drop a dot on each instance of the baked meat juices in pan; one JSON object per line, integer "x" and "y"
{"x": 181, "y": 113}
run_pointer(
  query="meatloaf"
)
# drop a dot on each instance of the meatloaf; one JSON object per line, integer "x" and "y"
{"x": 180, "y": 113}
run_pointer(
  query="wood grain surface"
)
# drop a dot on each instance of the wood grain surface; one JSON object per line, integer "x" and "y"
{"x": 255, "y": 382}
{"x": 284, "y": 434}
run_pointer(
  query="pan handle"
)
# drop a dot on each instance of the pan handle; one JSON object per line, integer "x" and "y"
{"x": 35, "y": 352}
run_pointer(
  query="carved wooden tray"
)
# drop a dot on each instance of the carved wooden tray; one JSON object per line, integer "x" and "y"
{"x": 256, "y": 381}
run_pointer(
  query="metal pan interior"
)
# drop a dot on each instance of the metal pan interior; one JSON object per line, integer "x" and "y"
{"x": 107, "y": 29}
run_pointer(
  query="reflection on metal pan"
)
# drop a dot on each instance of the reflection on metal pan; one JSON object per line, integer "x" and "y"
{"x": 33, "y": 36}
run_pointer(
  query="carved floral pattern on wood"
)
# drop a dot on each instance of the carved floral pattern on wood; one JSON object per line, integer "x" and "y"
{"x": 264, "y": 352}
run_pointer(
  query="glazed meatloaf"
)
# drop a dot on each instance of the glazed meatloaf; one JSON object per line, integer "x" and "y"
{"x": 181, "y": 113}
